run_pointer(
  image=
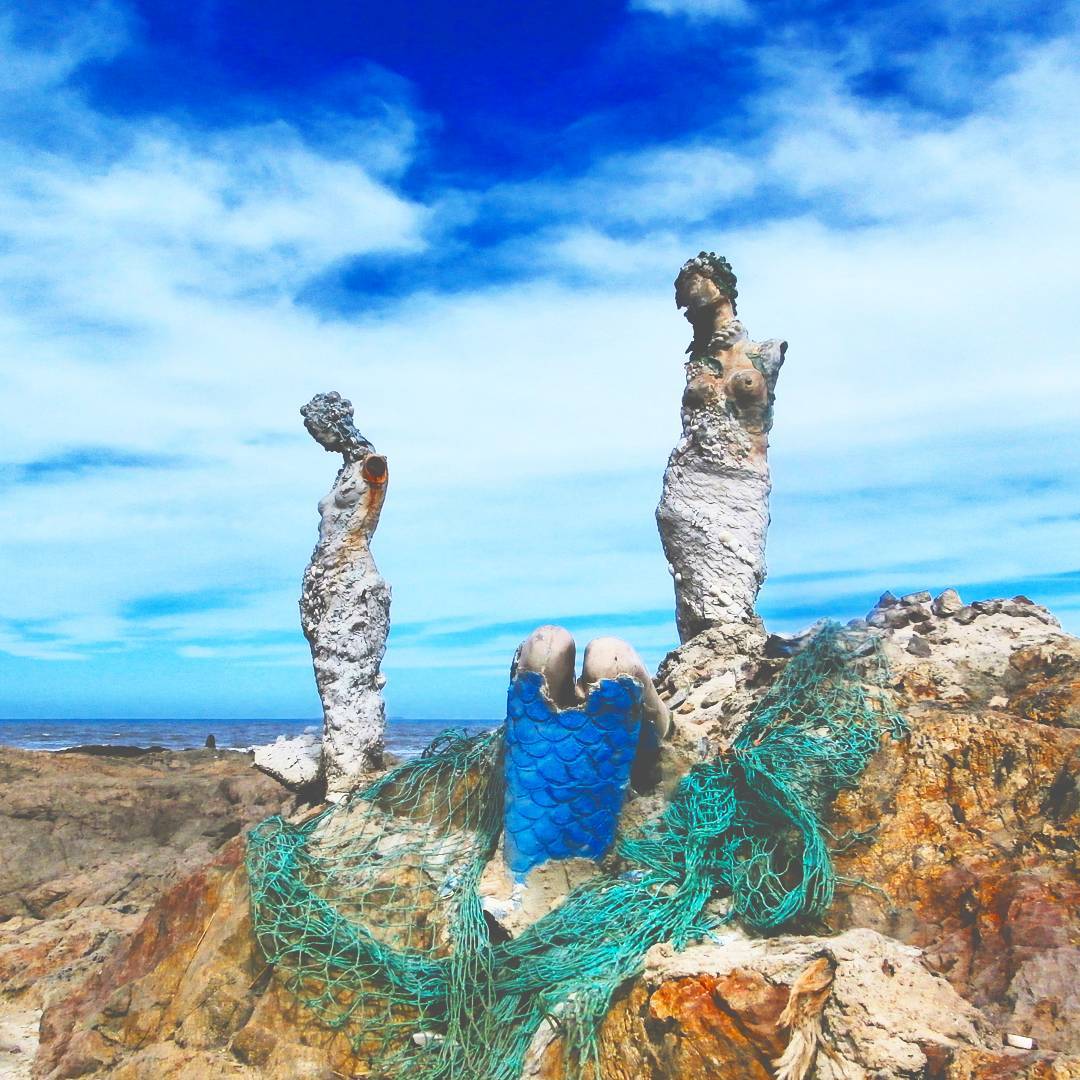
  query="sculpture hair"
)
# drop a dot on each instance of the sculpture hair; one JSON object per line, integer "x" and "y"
{"x": 714, "y": 267}
{"x": 329, "y": 420}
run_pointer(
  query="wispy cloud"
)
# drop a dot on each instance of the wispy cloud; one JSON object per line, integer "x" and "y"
{"x": 726, "y": 10}
{"x": 79, "y": 461}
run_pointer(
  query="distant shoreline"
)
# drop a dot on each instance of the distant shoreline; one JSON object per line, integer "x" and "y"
{"x": 119, "y": 738}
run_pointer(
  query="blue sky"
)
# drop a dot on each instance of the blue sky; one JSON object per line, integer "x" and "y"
{"x": 467, "y": 218}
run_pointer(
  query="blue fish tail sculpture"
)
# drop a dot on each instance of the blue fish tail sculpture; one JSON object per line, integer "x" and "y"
{"x": 567, "y": 769}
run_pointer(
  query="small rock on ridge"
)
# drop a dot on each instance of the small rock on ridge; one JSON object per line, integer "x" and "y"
{"x": 948, "y": 603}
{"x": 915, "y": 598}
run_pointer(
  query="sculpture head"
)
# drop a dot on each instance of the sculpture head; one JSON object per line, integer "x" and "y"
{"x": 706, "y": 287}
{"x": 329, "y": 420}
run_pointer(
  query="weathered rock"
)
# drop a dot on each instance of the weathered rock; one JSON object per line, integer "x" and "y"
{"x": 947, "y": 603}
{"x": 18, "y": 1042}
{"x": 728, "y": 666}
{"x": 189, "y": 995}
{"x": 915, "y": 598}
{"x": 514, "y": 906}
{"x": 1044, "y": 681}
{"x": 918, "y": 646}
{"x": 189, "y": 989}
{"x": 1010, "y": 1065}
{"x": 788, "y": 645}
{"x": 713, "y": 1013}
{"x": 296, "y": 762}
{"x": 345, "y": 605}
{"x": 971, "y": 658}
{"x": 975, "y": 821}
{"x": 714, "y": 511}
{"x": 898, "y": 617}
{"x": 87, "y": 842}
{"x": 976, "y": 818}
{"x": 1019, "y": 607}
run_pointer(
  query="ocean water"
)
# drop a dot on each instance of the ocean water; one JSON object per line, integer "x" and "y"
{"x": 406, "y": 738}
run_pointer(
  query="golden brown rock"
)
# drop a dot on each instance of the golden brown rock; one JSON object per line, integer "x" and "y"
{"x": 976, "y": 818}
{"x": 1047, "y": 683}
{"x": 89, "y": 839}
{"x": 716, "y": 1012}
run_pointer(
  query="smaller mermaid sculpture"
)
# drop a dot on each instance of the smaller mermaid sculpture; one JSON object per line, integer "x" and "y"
{"x": 571, "y": 745}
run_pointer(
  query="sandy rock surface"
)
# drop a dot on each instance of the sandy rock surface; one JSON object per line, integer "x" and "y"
{"x": 87, "y": 843}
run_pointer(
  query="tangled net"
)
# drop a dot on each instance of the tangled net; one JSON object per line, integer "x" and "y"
{"x": 370, "y": 916}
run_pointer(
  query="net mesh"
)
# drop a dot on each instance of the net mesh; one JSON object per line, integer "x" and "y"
{"x": 369, "y": 913}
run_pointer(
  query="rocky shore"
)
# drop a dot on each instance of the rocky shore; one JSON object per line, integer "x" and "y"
{"x": 958, "y": 924}
{"x": 89, "y": 840}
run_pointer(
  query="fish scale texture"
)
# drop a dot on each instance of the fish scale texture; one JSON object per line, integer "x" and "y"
{"x": 566, "y": 771}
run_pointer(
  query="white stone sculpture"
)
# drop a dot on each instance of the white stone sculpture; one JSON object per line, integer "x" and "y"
{"x": 714, "y": 512}
{"x": 345, "y": 614}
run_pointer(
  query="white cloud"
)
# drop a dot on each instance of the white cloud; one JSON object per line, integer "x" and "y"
{"x": 725, "y": 10}
{"x": 891, "y": 163}
{"x": 684, "y": 183}
{"x": 261, "y": 655}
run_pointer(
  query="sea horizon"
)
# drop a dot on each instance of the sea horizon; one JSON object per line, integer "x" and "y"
{"x": 405, "y": 737}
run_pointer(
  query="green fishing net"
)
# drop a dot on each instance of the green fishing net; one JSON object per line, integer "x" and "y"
{"x": 369, "y": 913}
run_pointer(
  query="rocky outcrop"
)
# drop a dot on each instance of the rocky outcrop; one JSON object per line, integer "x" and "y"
{"x": 974, "y": 817}
{"x": 295, "y": 762}
{"x": 344, "y": 610}
{"x": 714, "y": 511}
{"x": 189, "y": 995}
{"x": 717, "y": 1012}
{"x": 88, "y": 842}
{"x": 974, "y": 820}
{"x": 190, "y": 992}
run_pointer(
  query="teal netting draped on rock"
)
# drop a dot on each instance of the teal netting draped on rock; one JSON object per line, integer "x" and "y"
{"x": 370, "y": 916}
